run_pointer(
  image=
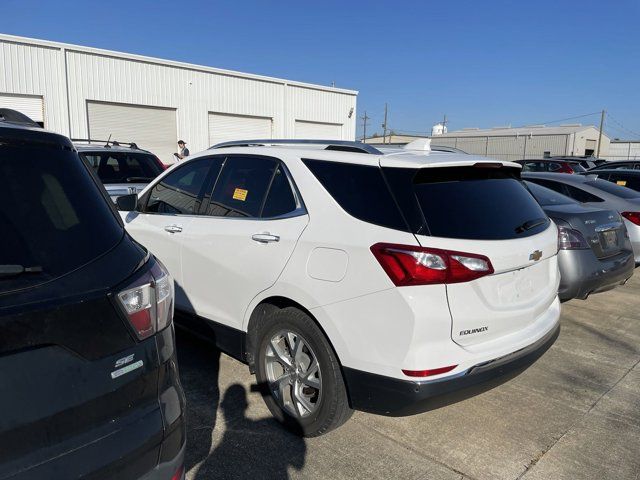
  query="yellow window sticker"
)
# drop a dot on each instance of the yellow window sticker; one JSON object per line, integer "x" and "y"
{"x": 240, "y": 194}
{"x": 622, "y": 182}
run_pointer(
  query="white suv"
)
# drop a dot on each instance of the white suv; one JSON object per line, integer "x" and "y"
{"x": 348, "y": 278}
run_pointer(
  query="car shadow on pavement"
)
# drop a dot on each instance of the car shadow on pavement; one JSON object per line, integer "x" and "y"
{"x": 233, "y": 446}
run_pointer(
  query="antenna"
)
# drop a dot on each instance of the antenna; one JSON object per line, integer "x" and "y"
{"x": 107, "y": 145}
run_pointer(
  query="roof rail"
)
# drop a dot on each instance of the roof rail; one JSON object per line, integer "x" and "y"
{"x": 339, "y": 145}
{"x": 113, "y": 143}
{"x": 13, "y": 116}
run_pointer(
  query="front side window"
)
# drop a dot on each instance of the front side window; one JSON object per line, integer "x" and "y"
{"x": 179, "y": 192}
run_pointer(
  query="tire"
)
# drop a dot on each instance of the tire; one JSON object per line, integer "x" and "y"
{"x": 309, "y": 401}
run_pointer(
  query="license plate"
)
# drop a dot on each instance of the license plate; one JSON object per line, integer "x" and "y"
{"x": 610, "y": 239}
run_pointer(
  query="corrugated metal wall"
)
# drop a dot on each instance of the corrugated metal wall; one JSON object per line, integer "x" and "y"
{"x": 514, "y": 147}
{"x": 624, "y": 151}
{"x": 38, "y": 68}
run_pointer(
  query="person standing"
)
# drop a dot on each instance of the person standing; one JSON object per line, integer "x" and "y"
{"x": 183, "y": 151}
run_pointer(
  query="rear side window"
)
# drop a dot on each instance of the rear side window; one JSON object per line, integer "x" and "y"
{"x": 534, "y": 167}
{"x": 547, "y": 197}
{"x": 576, "y": 193}
{"x": 360, "y": 190}
{"x": 280, "y": 199}
{"x": 477, "y": 203}
{"x": 54, "y": 216}
{"x": 613, "y": 189}
{"x": 624, "y": 180}
{"x": 178, "y": 192}
{"x": 123, "y": 167}
{"x": 242, "y": 186}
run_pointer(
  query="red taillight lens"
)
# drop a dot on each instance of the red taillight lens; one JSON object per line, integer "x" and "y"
{"x": 179, "y": 475}
{"x": 408, "y": 265}
{"x": 149, "y": 302}
{"x": 569, "y": 239}
{"x": 428, "y": 373}
{"x": 633, "y": 217}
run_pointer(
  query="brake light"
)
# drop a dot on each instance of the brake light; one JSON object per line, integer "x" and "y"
{"x": 633, "y": 217}
{"x": 428, "y": 373}
{"x": 569, "y": 239}
{"x": 148, "y": 302}
{"x": 564, "y": 168}
{"x": 179, "y": 475}
{"x": 407, "y": 265}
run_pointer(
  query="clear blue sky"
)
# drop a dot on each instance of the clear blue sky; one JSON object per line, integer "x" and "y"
{"x": 483, "y": 63}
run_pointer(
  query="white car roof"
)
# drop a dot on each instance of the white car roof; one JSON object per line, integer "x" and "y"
{"x": 396, "y": 158}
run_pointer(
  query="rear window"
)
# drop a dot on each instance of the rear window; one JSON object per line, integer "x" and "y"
{"x": 123, "y": 167}
{"x": 56, "y": 219}
{"x": 477, "y": 204}
{"x": 613, "y": 189}
{"x": 360, "y": 190}
{"x": 547, "y": 197}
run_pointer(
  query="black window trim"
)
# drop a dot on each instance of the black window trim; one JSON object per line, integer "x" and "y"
{"x": 300, "y": 206}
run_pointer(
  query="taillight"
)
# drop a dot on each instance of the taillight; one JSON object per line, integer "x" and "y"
{"x": 148, "y": 302}
{"x": 566, "y": 169}
{"x": 569, "y": 239}
{"x": 408, "y": 265}
{"x": 633, "y": 217}
{"x": 179, "y": 475}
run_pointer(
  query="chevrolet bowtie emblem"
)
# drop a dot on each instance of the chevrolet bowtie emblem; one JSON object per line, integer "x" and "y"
{"x": 535, "y": 256}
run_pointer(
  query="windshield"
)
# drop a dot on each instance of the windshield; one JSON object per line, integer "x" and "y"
{"x": 613, "y": 189}
{"x": 123, "y": 167}
{"x": 477, "y": 203}
{"x": 57, "y": 219}
{"x": 547, "y": 197}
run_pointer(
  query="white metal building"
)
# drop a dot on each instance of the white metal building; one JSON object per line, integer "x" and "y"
{"x": 536, "y": 141}
{"x": 624, "y": 150}
{"x": 91, "y": 93}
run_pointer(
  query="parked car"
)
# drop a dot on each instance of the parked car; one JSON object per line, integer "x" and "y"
{"x": 596, "y": 192}
{"x": 620, "y": 176}
{"x": 88, "y": 370}
{"x": 594, "y": 250}
{"x": 551, "y": 165}
{"x": 627, "y": 164}
{"x": 123, "y": 168}
{"x": 312, "y": 262}
{"x": 586, "y": 162}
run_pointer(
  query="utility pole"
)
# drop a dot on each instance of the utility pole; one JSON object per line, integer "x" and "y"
{"x": 364, "y": 125}
{"x": 384, "y": 126}
{"x": 600, "y": 135}
{"x": 444, "y": 123}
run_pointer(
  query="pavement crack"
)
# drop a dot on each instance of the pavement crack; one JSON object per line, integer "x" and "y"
{"x": 538, "y": 457}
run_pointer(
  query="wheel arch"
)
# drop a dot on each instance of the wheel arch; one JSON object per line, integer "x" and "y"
{"x": 261, "y": 313}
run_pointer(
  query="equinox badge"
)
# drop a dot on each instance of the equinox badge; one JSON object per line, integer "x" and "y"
{"x": 535, "y": 256}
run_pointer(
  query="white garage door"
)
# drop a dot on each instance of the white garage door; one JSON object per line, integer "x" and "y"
{"x": 224, "y": 127}
{"x": 318, "y": 130}
{"x": 30, "y": 105}
{"x": 152, "y": 129}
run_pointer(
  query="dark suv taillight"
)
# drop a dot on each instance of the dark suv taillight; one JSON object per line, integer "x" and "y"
{"x": 148, "y": 302}
{"x": 570, "y": 239}
{"x": 408, "y": 265}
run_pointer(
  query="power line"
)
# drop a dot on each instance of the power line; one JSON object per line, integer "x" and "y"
{"x": 622, "y": 127}
{"x": 568, "y": 118}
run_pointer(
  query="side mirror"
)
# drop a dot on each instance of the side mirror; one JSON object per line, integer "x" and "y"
{"x": 127, "y": 203}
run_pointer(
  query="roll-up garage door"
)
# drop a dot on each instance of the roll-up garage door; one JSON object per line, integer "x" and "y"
{"x": 30, "y": 105}
{"x": 318, "y": 130}
{"x": 151, "y": 128}
{"x": 225, "y": 127}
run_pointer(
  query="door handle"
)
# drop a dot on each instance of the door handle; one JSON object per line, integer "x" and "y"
{"x": 173, "y": 228}
{"x": 265, "y": 237}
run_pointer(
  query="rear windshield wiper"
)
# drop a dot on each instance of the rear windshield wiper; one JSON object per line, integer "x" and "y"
{"x": 529, "y": 224}
{"x": 15, "y": 270}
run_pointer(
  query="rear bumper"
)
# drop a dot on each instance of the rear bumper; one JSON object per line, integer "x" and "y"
{"x": 390, "y": 396}
{"x": 582, "y": 273}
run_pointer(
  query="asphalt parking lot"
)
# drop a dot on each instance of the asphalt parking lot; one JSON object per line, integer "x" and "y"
{"x": 575, "y": 414}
